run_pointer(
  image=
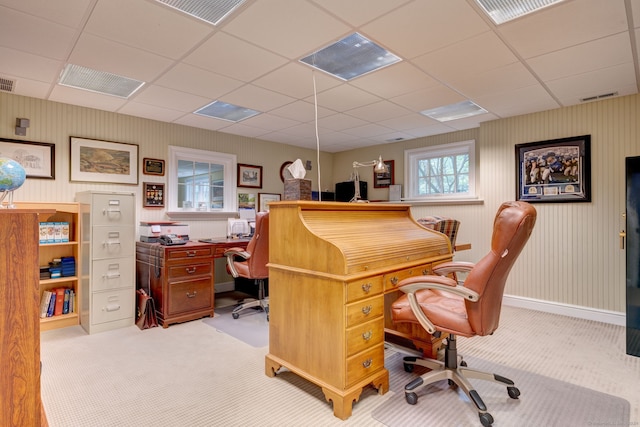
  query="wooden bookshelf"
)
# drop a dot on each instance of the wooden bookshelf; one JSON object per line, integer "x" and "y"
{"x": 62, "y": 212}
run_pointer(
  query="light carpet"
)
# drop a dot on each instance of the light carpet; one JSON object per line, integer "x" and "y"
{"x": 251, "y": 327}
{"x": 544, "y": 401}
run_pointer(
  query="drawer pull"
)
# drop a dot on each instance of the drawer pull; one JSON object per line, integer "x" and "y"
{"x": 109, "y": 243}
{"x": 193, "y": 295}
{"x": 191, "y": 253}
{"x": 110, "y": 211}
{"x": 367, "y": 363}
{"x": 115, "y": 275}
{"x": 112, "y": 307}
{"x": 190, "y": 270}
{"x": 366, "y": 309}
{"x": 366, "y": 287}
{"x": 425, "y": 272}
{"x": 394, "y": 280}
{"x": 367, "y": 335}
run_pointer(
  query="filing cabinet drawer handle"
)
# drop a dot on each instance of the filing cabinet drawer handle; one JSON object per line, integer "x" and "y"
{"x": 191, "y": 253}
{"x": 394, "y": 280}
{"x": 190, "y": 270}
{"x": 367, "y": 363}
{"x": 111, "y": 211}
{"x": 111, "y": 307}
{"x": 366, "y": 287}
{"x": 366, "y": 309}
{"x": 367, "y": 335}
{"x": 115, "y": 275}
{"x": 193, "y": 295}
{"x": 109, "y": 243}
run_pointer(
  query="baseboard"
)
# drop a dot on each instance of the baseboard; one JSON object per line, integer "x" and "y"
{"x": 224, "y": 287}
{"x": 587, "y": 313}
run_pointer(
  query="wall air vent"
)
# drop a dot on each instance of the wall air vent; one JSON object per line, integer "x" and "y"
{"x": 596, "y": 97}
{"x": 7, "y": 85}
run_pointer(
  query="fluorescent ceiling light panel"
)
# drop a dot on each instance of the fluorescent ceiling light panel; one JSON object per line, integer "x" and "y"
{"x": 501, "y": 11}
{"x": 207, "y": 10}
{"x": 98, "y": 81}
{"x": 457, "y": 111}
{"x": 351, "y": 57}
{"x": 228, "y": 112}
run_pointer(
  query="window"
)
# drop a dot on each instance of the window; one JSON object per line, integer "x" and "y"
{"x": 201, "y": 181}
{"x": 441, "y": 172}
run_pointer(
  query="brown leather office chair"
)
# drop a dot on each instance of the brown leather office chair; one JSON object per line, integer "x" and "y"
{"x": 251, "y": 263}
{"x": 472, "y": 308}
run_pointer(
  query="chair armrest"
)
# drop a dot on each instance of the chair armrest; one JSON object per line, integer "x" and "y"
{"x": 231, "y": 253}
{"x": 414, "y": 284}
{"x": 447, "y": 268}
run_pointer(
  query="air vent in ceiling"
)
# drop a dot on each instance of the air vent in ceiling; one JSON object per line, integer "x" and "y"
{"x": 595, "y": 97}
{"x": 7, "y": 85}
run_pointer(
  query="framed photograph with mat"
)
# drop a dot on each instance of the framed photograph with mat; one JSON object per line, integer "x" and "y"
{"x": 37, "y": 158}
{"x": 557, "y": 170}
{"x": 103, "y": 161}
{"x": 249, "y": 176}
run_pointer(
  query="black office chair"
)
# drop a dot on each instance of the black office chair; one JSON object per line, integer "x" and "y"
{"x": 251, "y": 263}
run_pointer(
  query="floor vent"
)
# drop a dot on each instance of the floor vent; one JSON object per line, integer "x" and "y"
{"x": 604, "y": 95}
{"x": 7, "y": 85}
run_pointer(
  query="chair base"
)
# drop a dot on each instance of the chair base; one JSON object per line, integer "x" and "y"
{"x": 262, "y": 302}
{"x": 456, "y": 373}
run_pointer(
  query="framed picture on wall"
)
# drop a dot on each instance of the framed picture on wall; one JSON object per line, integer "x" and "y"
{"x": 249, "y": 176}
{"x": 93, "y": 160}
{"x": 153, "y": 166}
{"x": 557, "y": 170}
{"x": 265, "y": 198}
{"x": 384, "y": 179}
{"x": 153, "y": 194}
{"x": 37, "y": 158}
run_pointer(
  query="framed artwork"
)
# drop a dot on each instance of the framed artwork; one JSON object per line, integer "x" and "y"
{"x": 153, "y": 166}
{"x": 265, "y": 198}
{"x": 153, "y": 194}
{"x": 246, "y": 201}
{"x": 249, "y": 176}
{"x": 103, "y": 161}
{"x": 557, "y": 170}
{"x": 385, "y": 179}
{"x": 37, "y": 158}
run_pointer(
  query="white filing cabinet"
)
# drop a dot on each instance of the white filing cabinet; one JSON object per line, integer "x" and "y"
{"x": 108, "y": 260}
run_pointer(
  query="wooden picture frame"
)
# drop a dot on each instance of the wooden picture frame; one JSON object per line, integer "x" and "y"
{"x": 109, "y": 162}
{"x": 265, "y": 198}
{"x": 153, "y": 166}
{"x": 153, "y": 194}
{"x": 249, "y": 176}
{"x": 385, "y": 179}
{"x": 557, "y": 170}
{"x": 37, "y": 158}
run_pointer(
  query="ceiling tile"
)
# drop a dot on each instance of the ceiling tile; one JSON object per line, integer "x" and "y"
{"x": 503, "y": 79}
{"x": 231, "y": 57}
{"x": 197, "y": 81}
{"x": 344, "y": 97}
{"x": 65, "y": 12}
{"x": 256, "y": 98}
{"x": 359, "y": 12}
{"x": 26, "y": 65}
{"x": 286, "y": 27}
{"x": 170, "y": 99}
{"x": 148, "y": 111}
{"x": 339, "y": 122}
{"x": 395, "y": 80}
{"x": 69, "y": 95}
{"x": 425, "y": 99}
{"x": 296, "y": 80}
{"x": 518, "y": 101}
{"x": 301, "y": 111}
{"x": 378, "y": 111}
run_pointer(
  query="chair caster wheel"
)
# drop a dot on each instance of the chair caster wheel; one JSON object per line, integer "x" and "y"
{"x": 513, "y": 392}
{"x": 486, "y": 419}
{"x": 235, "y": 315}
{"x": 408, "y": 367}
{"x": 411, "y": 398}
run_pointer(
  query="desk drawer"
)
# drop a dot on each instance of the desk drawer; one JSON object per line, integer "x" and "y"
{"x": 190, "y": 296}
{"x": 186, "y": 252}
{"x": 364, "y": 364}
{"x": 364, "y": 288}
{"x": 364, "y": 336}
{"x": 392, "y": 278}
{"x": 364, "y": 310}
{"x": 188, "y": 270}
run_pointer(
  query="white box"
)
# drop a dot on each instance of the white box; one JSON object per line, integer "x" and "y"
{"x": 156, "y": 230}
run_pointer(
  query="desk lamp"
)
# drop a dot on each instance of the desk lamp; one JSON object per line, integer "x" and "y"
{"x": 379, "y": 167}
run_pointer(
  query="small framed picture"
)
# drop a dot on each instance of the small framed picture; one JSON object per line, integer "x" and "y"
{"x": 153, "y": 166}
{"x": 265, "y": 198}
{"x": 153, "y": 194}
{"x": 249, "y": 176}
{"x": 384, "y": 179}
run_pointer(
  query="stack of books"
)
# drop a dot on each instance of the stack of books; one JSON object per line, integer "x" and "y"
{"x": 56, "y": 302}
{"x": 68, "y": 266}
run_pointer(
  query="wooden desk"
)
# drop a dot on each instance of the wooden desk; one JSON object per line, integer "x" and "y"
{"x": 330, "y": 266}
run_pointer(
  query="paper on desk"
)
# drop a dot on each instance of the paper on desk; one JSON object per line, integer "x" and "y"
{"x": 297, "y": 169}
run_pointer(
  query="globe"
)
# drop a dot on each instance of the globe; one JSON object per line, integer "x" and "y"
{"x": 12, "y": 174}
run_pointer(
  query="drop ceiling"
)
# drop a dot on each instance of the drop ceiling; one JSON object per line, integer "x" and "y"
{"x": 450, "y": 50}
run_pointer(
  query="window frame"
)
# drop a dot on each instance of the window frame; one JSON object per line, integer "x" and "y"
{"x": 228, "y": 161}
{"x": 411, "y": 158}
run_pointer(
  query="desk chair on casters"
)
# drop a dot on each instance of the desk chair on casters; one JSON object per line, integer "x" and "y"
{"x": 251, "y": 263}
{"x": 469, "y": 309}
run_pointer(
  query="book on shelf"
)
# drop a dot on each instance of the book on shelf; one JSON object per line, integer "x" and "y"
{"x": 44, "y": 304}
{"x": 65, "y": 304}
{"x": 52, "y": 304}
{"x": 59, "y": 302}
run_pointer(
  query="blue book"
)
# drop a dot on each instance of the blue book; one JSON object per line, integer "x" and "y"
{"x": 65, "y": 306}
{"x": 52, "y": 304}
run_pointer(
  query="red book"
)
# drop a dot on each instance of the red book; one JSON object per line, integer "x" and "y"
{"x": 59, "y": 301}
